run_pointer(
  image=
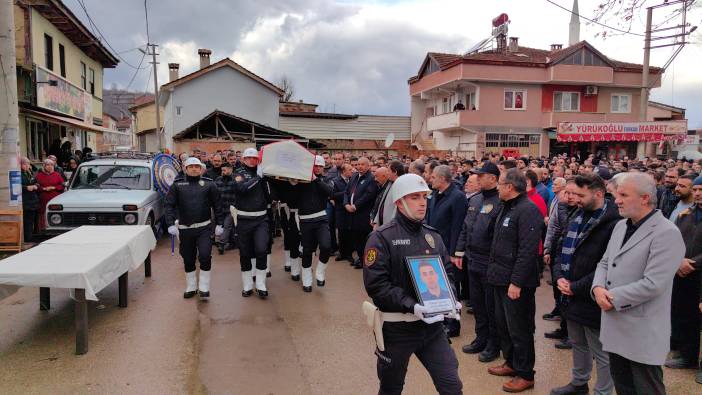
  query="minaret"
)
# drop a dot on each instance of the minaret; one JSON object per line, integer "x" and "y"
{"x": 574, "y": 36}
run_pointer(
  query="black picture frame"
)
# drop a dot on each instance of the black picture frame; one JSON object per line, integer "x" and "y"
{"x": 441, "y": 304}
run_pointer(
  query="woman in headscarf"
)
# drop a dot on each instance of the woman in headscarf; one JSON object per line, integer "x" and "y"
{"x": 30, "y": 200}
{"x": 50, "y": 185}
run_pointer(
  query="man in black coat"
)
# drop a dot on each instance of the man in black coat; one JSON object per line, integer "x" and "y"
{"x": 582, "y": 246}
{"x": 225, "y": 185}
{"x": 341, "y": 216}
{"x": 513, "y": 271}
{"x": 358, "y": 202}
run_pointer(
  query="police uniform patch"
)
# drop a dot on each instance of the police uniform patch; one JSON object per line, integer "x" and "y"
{"x": 202, "y": 183}
{"x": 486, "y": 209}
{"x": 430, "y": 240}
{"x": 371, "y": 256}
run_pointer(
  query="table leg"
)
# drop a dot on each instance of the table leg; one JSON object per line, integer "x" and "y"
{"x": 147, "y": 266}
{"x": 123, "y": 286}
{"x": 81, "y": 322}
{"x": 44, "y": 298}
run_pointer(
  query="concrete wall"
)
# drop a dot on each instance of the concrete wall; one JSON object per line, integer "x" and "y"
{"x": 222, "y": 89}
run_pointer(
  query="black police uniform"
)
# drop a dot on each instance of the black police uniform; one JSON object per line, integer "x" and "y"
{"x": 388, "y": 283}
{"x": 474, "y": 245}
{"x": 313, "y": 198}
{"x": 286, "y": 193}
{"x": 191, "y": 200}
{"x": 252, "y": 200}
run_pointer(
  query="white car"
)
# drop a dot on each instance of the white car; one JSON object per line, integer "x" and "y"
{"x": 114, "y": 191}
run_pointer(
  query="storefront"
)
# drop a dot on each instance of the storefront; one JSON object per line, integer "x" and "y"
{"x": 614, "y": 139}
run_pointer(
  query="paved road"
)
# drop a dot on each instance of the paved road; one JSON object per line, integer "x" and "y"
{"x": 292, "y": 343}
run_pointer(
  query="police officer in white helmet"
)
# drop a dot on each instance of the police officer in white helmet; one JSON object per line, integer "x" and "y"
{"x": 191, "y": 200}
{"x": 406, "y": 326}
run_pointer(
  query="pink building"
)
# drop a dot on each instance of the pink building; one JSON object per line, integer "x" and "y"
{"x": 514, "y": 98}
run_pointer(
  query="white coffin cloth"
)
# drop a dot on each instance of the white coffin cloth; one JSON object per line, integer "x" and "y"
{"x": 89, "y": 257}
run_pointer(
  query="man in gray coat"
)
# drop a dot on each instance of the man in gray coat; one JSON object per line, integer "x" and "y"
{"x": 633, "y": 285}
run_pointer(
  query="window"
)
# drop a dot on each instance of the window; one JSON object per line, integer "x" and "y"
{"x": 621, "y": 103}
{"x": 515, "y": 99}
{"x": 499, "y": 140}
{"x": 178, "y": 109}
{"x": 445, "y": 105}
{"x": 49, "y": 52}
{"x": 82, "y": 75}
{"x": 471, "y": 102}
{"x": 566, "y": 101}
{"x": 584, "y": 57}
{"x": 62, "y": 60}
{"x": 92, "y": 81}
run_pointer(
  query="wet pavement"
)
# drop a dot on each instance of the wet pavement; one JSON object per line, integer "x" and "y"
{"x": 292, "y": 343}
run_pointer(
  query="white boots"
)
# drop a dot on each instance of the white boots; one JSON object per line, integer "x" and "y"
{"x": 204, "y": 286}
{"x": 261, "y": 284}
{"x": 307, "y": 279}
{"x": 288, "y": 260}
{"x": 295, "y": 267}
{"x": 319, "y": 273}
{"x": 268, "y": 265}
{"x": 247, "y": 282}
{"x": 190, "y": 284}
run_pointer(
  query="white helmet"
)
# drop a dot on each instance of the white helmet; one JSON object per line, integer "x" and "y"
{"x": 319, "y": 160}
{"x": 407, "y": 184}
{"x": 192, "y": 161}
{"x": 250, "y": 153}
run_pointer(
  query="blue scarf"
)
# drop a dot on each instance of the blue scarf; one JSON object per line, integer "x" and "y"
{"x": 576, "y": 232}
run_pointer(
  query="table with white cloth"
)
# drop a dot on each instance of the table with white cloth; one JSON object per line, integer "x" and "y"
{"x": 84, "y": 260}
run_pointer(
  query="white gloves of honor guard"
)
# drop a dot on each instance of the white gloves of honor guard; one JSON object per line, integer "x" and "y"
{"x": 219, "y": 230}
{"x": 420, "y": 311}
{"x": 173, "y": 230}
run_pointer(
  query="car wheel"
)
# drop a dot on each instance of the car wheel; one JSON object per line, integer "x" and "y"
{"x": 150, "y": 222}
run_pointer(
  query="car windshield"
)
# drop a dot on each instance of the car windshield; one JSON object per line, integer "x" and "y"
{"x": 112, "y": 177}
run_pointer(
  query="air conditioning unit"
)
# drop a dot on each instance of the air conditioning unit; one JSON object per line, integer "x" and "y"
{"x": 590, "y": 90}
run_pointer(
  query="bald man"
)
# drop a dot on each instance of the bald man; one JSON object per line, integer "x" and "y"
{"x": 358, "y": 203}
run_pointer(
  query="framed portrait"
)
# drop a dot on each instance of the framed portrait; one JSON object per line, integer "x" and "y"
{"x": 431, "y": 283}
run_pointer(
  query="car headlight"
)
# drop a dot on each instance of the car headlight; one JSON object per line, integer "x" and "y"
{"x": 55, "y": 219}
{"x": 130, "y": 219}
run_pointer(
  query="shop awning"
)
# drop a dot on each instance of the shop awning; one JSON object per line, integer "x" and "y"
{"x": 66, "y": 121}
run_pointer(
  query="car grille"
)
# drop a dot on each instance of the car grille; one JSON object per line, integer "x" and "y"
{"x": 78, "y": 219}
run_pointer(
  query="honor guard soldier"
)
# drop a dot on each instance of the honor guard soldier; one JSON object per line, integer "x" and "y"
{"x": 286, "y": 193}
{"x": 253, "y": 196}
{"x": 189, "y": 205}
{"x": 401, "y": 327}
{"x": 314, "y": 224}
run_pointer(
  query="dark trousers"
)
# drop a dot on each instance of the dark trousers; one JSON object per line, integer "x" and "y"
{"x": 332, "y": 226}
{"x": 515, "y": 325}
{"x": 196, "y": 243}
{"x": 430, "y": 344}
{"x": 345, "y": 243}
{"x": 254, "y": 239}
{"x": 291, "y": 236}
{"x": 29, "y": 221}
{"x": 556, "y": 291}
{"x": 315, "y": 234}
{"x": 685, "y": 318}
{"x": 359, "y": 237}
{"x": 482, "y": 300}
{"x": 633, "y": 378}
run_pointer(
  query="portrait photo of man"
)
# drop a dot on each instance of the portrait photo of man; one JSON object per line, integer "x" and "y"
{"x": 429, "y": 277}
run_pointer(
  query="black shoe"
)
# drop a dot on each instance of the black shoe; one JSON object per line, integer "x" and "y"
{"x": 220, "y": 249}
{"x": 203, "y": 295}
{"x": 552, "y": 316}
{"x": 357, "y": 264}
{"x": 680, "y": 363}
{"x": 571, "y": 389}
{"x": 474, "y": 347}
{"x": 557, "y": 334}
{"x": 268, "y": 274}
{"x": 190, "y": 294}
{"x": 295, "y": 278}
{"x": 262, "y": 294}
{"x": 230, "y": 247}
{"x": 246, "y": 294}
{"x": 339, "y": 258}
{"x": 320, "y": 283}
{"x": 564, "y": 344}
{"x": 489, "y": 355}
{"x": 286, "y": 268}
{"x": 469, "y": 309}
{"x": 307, "y": 289}
{"x": 354, "y": 261}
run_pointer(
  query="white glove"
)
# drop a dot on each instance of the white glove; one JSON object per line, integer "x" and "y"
{"x": 456, "y": 315}
{"x": 173, "y": 230}
{"x": 219, "y": 230}
{"x": 420, "y": 310}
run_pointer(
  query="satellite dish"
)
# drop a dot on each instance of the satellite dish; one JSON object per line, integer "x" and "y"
{"x": 389, "y": 140}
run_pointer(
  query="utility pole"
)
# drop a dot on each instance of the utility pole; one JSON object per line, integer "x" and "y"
{"x": 10, "y": 176}
{"x": 159, "y": 132}
{"x": 643, "y": 109}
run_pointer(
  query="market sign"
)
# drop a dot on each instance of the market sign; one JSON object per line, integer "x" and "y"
{"x": 621, "y": 131}
{"x": 65, "y": 97}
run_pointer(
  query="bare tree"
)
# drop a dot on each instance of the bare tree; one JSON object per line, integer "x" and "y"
{"x": 617, "y": 16}
{"x": 288, "y": 88}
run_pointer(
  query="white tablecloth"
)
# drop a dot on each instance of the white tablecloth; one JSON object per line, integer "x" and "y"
{"x": 89, "y": 257}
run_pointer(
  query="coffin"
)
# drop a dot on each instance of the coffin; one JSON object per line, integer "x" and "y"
{"x": 287, "y": 160}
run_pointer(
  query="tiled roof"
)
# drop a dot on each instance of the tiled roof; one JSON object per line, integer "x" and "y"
{"x": 525, "y": 57}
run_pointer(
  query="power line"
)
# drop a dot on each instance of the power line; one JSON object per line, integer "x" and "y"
{"x": 595, "y": 22}
{"x": 90, "y": 21}
{"x": 138, "y": 69}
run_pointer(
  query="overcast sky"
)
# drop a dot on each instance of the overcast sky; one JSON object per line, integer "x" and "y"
{"x": 356, "y": 56}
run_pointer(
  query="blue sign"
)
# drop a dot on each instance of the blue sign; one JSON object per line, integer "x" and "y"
{"x": 165, "y": 170}
{"x": 15, "y": 187}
